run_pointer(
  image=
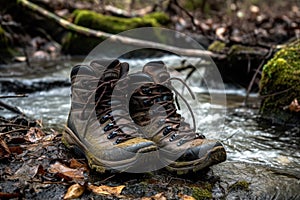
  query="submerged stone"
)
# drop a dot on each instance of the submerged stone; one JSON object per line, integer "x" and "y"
{"x": 79, "y": 45}
{"x": 280, "y": 85}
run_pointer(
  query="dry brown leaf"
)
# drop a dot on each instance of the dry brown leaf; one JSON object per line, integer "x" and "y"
{"x": 4, "y": 149}
{"x": 107, "y": 190}
{"x": 76, "y": 164}
{"x": 294, "y": 106}
{"x": 9, "y": 195}
{"x": 158, "y": 196}
{"x": 74, "y": 191}
{"x": 34, "y": 134}
{"x": 16, "y": 150}
{"x": 186, "y": 197}
{"x": 67, "y": 172}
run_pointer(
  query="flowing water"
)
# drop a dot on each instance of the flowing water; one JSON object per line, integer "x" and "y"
{"x": 263, "y": 154}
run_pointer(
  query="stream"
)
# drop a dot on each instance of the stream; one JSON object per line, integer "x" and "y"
{"x": 265, "y": 155}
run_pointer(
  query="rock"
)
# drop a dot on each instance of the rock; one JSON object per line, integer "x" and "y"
{"x": 239, "y": 63}
{"x": 280, "y": 86}
{"x": 76, "y": 44}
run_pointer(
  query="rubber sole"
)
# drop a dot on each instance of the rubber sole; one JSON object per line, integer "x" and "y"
{"x": 214, "y": 156}
{"x": 134, "y": 164}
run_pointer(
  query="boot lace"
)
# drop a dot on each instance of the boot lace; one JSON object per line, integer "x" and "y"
{"x": 176, "y": 123}
{"x": 102, "y": 95}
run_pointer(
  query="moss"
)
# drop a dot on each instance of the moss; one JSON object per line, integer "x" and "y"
{"x": 240, "y": 185}
{"x": 201, "y": 193}
{"x": 160, "y": 17}
{"x": 217, "y": 46}
{"x": 238, "y": 49}
{"x": 78, "y": 44}
{"x": 280, "y": 84}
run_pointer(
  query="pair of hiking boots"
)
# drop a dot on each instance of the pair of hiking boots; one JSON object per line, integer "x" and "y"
{"x": 129, "y": 122}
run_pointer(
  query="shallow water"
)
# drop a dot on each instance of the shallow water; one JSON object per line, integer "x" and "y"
{"x": 246, "y": 137}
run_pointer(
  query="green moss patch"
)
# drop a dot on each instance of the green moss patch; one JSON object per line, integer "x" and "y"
{"x": 80, "y": 45}
{"x": 239, "y": 185}
{"x": 280, "y": 85}
{"x": 202, "y": 193}
{"x": 217, "y": 46}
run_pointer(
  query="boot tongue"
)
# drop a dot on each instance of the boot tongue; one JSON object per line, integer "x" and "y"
{"x": 112, "y": 69}
{"x": 157, "y": 70}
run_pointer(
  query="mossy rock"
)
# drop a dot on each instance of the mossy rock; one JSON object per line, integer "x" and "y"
{"x": 5, "y": 51}
{"x": 237, "y": 63}
{"x": 80, "y": 45}
{"x": 280, "y": 85}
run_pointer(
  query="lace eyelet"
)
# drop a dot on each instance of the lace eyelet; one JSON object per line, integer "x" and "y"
{"x": 146, "y": 90}
{"x": 200, "y": 136}
{"x": 104, "y": 119}
{"x": 119, "y": 140}
{"x": 181, "y": 142}
{"x": 112, "y": 135}
{"x": 167, "y": 130}
{"x": 173, "y": 137}
{"x": 108, "y": 127}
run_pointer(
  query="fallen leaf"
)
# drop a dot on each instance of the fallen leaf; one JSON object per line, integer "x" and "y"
{"x": 158, "y": 196}
{"x": 66, "y": 172}
{"x": 76, "y": 164}
{"x": 186, "y": 197}
{"x": 4, "y": 149}
{"x": 26, "y": 172}
{"x": 9, "y": 195}
{"x": 74, "y": 191}
{"x": 107, "y": 190}
{"x": 16, "y": 150}
{"x": 294, "y": 106}
{"x": 34, "y": 134}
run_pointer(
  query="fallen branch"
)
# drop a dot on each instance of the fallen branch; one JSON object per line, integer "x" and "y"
{"x": 115, "y": 38}
{"x": 123, "y": 13}
{"x": 11, "y": 108}
{"x": 255, "y": 75}
{"x": 13, "y": 96}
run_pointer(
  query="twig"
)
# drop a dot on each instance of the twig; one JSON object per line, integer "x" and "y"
{"x": 115, "y": 38}
{"x": 13, "y": 96}
{"x": 11, "y": 108}
{"x": 187, "y": 13}
{"x": 13, "y": 131}
{"x": 256, "y": 73}
{"x": 14, "y": 125}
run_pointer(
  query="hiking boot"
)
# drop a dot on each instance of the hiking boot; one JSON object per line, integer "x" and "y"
{"x": 107, "y": 141}
{"x": 153, "y": 108}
